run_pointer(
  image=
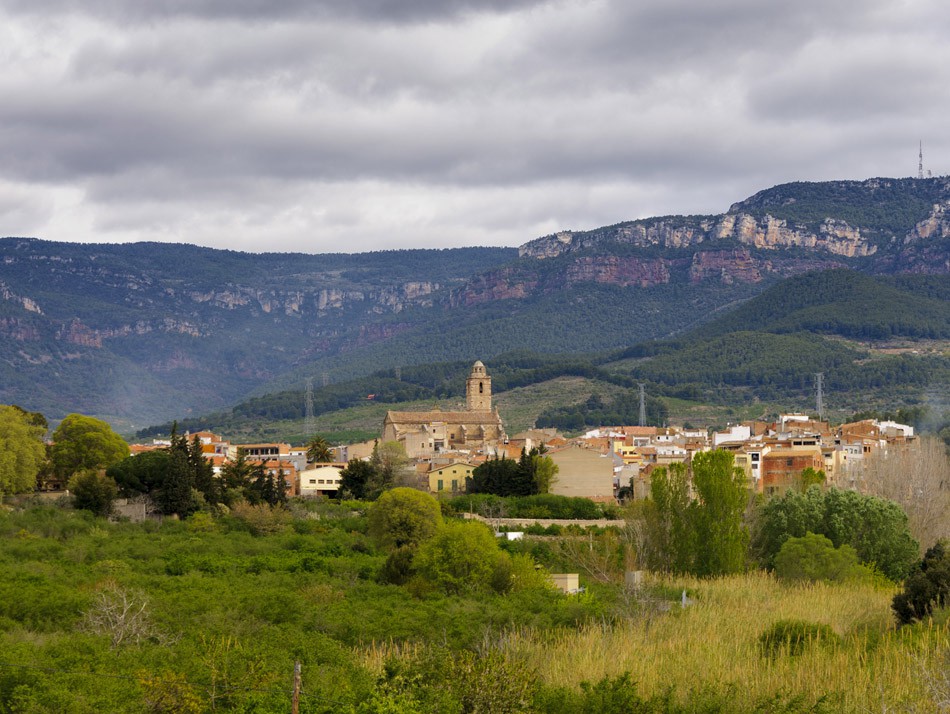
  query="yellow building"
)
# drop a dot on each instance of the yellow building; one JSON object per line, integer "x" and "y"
{"x": 450, "y": 478}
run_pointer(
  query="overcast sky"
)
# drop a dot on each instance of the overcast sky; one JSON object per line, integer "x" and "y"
{"x": 352, "y": 125}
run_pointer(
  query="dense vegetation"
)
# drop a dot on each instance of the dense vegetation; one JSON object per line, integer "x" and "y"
{"x": 210, "y": 614}
{"x": 846, "y": 303}
{"x": 882, "y": 207}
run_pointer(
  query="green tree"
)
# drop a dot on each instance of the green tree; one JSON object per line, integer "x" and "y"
{"x": 495, "y": 476}
{"x": 390, "y": 468}
{"x": 177, "y": 492}
{"x": 810, "y": 478}
{"x": 721, "y": 537}
{"x": 142, "y": 474}
{"x": 22, "y": 452}
{"x": 355, "y": 478}
{"x": 461, "y": 557}
{"x": 536, "y": 473}
{"x": 706, "y": 535}
{"x": 404, "y": 517}
{"x": 83, "y": 443}
{"x": 813, "y": 557}
{"x": 319, "y": 451}
{"x": 236, "y": 477}
{"x": 93, "y": 491}
{"x": 875, "y": 527}
{"x": 203, "y": 472}
{"x": 671, "y": 536}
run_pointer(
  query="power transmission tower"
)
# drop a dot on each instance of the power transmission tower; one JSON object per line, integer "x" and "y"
{"x": 643, "y": 406}
{"x": 920, "y": 161}
{"x": 399, "y": 373}
{"x": 308, "y": 414}
{"x": 819, "y": 395}
{"x": 325, "y": 381}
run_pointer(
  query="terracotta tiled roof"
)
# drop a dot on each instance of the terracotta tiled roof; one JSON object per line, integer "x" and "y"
{"x": 440, "y": 416}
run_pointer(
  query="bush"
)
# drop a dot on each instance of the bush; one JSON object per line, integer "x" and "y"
{"x": 875, "y": 527}
{"x": 404, "y": 517}
{"x": 262, "y": 519}
{"x": 793, "y": 637}
{"x": 814, "y": 557}
{"x": 462, "y": 557}
{"x": 927, "y": 587}
{"x": 93, "y": 491}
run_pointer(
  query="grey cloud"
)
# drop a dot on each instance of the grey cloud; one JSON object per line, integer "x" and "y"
{"x": 458, "y": 122}
{"x": 267, "y": 10}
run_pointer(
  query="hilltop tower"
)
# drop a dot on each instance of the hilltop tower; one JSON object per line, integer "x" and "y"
{"x": 478, "y": 389}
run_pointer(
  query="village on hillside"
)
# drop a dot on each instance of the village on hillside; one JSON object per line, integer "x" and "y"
{"x": 613, "y": 462}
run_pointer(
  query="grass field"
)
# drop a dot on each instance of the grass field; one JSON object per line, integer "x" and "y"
{"x": 714, "y": 643}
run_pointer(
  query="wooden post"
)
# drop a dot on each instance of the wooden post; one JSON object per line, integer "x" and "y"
{"x": 295, "y": 702}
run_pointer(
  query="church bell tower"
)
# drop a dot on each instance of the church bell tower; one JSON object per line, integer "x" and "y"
{"x": 478, "y": 389}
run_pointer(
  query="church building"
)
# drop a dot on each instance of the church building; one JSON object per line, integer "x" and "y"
{"x": 425, "y": 434}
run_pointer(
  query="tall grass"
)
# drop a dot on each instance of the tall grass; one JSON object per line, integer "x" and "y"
{"x": 714, "y": 642}
{"x": 713, "y": 645}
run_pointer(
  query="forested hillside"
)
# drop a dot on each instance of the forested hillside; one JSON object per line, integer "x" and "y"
{"x": 846, "y": 303}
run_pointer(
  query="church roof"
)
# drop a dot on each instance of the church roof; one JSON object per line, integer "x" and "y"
{"x": 444, "y": 417}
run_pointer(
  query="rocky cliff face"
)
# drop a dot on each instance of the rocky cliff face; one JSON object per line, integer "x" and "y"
{"x": 833, "y": 236}
{"x": 850, "y": 219}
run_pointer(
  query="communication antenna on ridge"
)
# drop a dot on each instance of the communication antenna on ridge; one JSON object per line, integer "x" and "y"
{"x": 308, "y": 414}
{"x": 643, "y": 406}
{"x": 920, "y": 161}
{"x": 819, "y": 395}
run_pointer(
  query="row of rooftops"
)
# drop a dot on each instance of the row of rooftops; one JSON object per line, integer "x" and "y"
{"x": 635, "y": 450}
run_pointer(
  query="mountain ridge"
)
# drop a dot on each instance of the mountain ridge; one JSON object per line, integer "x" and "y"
{"x": 144, "y": 332}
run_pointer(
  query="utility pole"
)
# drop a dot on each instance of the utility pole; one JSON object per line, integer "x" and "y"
{"x": 308, "y": 413}
{"x": 295, "y": 701}
{"x": 643, "y": 406}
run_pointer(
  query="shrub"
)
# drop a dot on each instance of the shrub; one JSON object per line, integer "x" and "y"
{"x": 404, "y": 517}
{"x": 813, "y": 557}
{"x": 927, "y": 587}
{"x": 793, "y": 637}
{"x": 462, "y": 557}
{"x": 263, "y": 519}
{"x": 93, "y": 491}
{"x": 875, "y": 527}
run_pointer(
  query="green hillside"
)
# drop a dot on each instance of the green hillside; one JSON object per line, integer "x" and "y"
{"x": 883, "y": 207}
{"x": 846, "y": 303}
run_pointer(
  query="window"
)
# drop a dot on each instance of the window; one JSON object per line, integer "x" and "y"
{"x": 455, "y": 485}
{"x": 481, "y": 388}
{"x": 789, "y": 462}
{"x": 439, "y": 487}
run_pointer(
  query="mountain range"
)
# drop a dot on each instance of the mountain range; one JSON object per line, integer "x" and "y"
{"x": 146, "y": 332}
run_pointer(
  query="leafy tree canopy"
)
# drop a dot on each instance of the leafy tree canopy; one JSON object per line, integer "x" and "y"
{"x": 875, "y": 527}
{"x": 82, "y": 442}
{"x": 461, "y": 557}
{"x": 404, "y": 517}
{"x": 21, "y": 450}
